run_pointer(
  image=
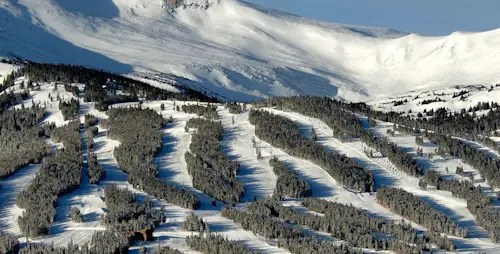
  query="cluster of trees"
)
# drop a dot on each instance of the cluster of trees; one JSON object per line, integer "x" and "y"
{"x": 236, "y": 108}
{"x": 159, "y": 250}
{"x": 69, "y": 109}
{"x": 69, "y": 135}
{"x": 262, "y": 224}
{"x": 95, "y": 171}
{"x": 104, "y": 242}
{"x": 209, "y": 111}
{"x": 288, "y": 184}
{"x": 415, "y": 209}
{"x": 126, "y": 215}
{"x": 10, "y": 99}
{"x": 71, "y": 89}
{"x": 76, "y": 215}
{"x": 429, "y": 101}
{"x": 138, "y": 130}
{"x": 91, "y": 131}
{"x": 59, "y": 174}
{"x": 8, "y": 243}
{"x": 213, "y": 243}
{"x": 483, "y": 162}
{"x": 21, "y": 139}
{"x": 193, "y": 223}
{"x": 90, "y": 120}
{"x": 162, "y": 190}
{"x": 9, "y": 81}
{"x": 283, "y": 133}
{"x": 212, "y": 172}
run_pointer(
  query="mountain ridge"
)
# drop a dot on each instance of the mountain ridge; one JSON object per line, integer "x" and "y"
{"x": 243, "y": 51}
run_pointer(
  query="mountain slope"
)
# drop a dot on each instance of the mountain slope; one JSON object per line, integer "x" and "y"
{"x": 242, "y": 51}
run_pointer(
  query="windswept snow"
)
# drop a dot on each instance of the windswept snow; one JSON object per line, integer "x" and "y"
{"x": 243, "y": 51}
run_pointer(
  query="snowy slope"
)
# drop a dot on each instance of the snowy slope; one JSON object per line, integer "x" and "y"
{"x": 243, "y": 51}
{"x": 454, "y": 98}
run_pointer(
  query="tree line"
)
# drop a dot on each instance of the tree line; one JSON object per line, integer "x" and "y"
{"x": 8, "y": 243}
{"x": 99, "y": 81}
{"x": 211, "y": 170}
{"x": 282, "y": 132}
{"x": 288, "y": 183}
{"x": 69, "y": 109}
{"x": 60, "y": 173}
{"x": 127, "y": 216}
{"x": 138, "y": 130}
{"x": 415, "y": 209}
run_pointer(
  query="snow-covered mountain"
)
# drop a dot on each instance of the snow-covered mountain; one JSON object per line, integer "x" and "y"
{"x": 243, "y": 51}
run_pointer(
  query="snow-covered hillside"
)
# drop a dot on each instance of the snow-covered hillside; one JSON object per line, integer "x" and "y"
{"x": 242, "y": 51}
{"x": 454, "y": 98}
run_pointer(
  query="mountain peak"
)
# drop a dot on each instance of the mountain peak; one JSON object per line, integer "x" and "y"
{"x": 191, "y": 3}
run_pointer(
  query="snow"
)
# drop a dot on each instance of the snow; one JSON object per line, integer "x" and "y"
{"x": 257, "y": 175}
{"x": 9, "y": 211}
{"x": 473, "y": 95}
{"x": 242, "y": 51}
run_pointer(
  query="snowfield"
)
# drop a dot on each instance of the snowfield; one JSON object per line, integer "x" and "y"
{"x": 243, "y": 51}
{"x": 453, "y": 98}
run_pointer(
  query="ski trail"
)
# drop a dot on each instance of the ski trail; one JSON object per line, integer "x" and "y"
{"x": 257, "y": 175}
